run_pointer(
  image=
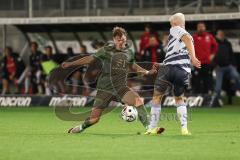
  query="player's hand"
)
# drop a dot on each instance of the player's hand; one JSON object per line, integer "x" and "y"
{"x": 151, "y": 72}
{"x": 15, "y": 82}
{"x": 196, "y": 63}
{"x": 156, "y": 66}
{"x": 65, "y": 65}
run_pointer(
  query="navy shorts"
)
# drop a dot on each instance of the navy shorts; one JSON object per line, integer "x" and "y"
{"x": 172, "y": 79}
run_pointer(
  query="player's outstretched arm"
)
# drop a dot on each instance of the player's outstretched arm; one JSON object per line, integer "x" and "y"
{"x": 189, "y": 44}
{"x": 79, "y": 62}
{"x": 136, "y": 68}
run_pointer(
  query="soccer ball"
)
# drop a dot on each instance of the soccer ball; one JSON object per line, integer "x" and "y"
{"x": 129, "y": 113}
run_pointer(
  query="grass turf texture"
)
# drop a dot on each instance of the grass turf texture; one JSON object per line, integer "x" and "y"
{"x": 36, "y": 133}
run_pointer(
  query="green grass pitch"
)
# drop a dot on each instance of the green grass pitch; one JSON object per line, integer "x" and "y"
{"x": 36, "y": 133}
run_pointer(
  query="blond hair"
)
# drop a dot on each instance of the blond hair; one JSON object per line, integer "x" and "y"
{"x": 177, "y": 19}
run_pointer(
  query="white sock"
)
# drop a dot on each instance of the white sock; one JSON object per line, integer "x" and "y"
{"x": 155, "y": 115}
{"x": 3, "y": 92}
{"x": 26, "y": 85}
{"x": 182, "y": 114}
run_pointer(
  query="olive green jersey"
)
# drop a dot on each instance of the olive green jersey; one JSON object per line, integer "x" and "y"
{"x": 115, "y": 67}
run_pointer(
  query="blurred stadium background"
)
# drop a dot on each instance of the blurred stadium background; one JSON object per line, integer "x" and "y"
{"x": 59, "y": 29}
{"x": 37, "y": 35}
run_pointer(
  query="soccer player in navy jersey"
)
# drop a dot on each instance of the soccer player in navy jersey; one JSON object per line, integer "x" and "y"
{"x": 174, "y": 73}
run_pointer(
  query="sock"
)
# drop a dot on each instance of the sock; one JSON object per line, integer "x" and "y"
{"x": 3, "y": 92}
{"x": 26, "y": 85}
{"x": 85, "y": 124}
{"x": 143, "y": 116}
{"x": 182, "y": 114}
{"x": 155, "y": 115}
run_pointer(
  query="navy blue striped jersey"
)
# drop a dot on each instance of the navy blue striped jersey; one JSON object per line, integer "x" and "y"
{"x": 177, "y": 53}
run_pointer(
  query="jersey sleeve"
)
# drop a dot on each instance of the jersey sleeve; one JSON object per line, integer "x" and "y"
{"x": 132, "y": 56}
{"x": 100, "y": 54}
{"x": 178, "y": 32}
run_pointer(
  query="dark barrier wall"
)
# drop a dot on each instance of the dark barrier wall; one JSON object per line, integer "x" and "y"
{"x": 50, "y": 101}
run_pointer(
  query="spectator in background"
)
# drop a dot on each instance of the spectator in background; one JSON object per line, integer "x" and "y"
{"x": 205, "y": 48}
{"x": 96, "y": 44}
{"x": 12, "y": 67}
{"x": 144, "y": 40}
{"x": 154, "y": 51}
{"x": 224, "y": 61}
{"x": 77, "y": 77}
{"x": 60, "y": 85}
{"x": 47, "y": 57}
{"x": 70, "y": 52}
{"x": 94, "y": 68}
{"x": 35, "y": 68}
{"x": 48, "y": 54}
{"x": 83, "y": 50}
{"x": 99, "y": 44}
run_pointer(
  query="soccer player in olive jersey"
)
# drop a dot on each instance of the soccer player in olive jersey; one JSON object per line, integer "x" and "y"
{"x": 117, "y": 58}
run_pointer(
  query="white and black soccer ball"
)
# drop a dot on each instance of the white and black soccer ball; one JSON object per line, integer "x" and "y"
{"x": 129, "y": 113}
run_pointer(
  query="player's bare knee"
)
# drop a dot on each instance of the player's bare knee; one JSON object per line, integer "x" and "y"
{"x": 179, "y": 100}
{"x": 157, "y": 99}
